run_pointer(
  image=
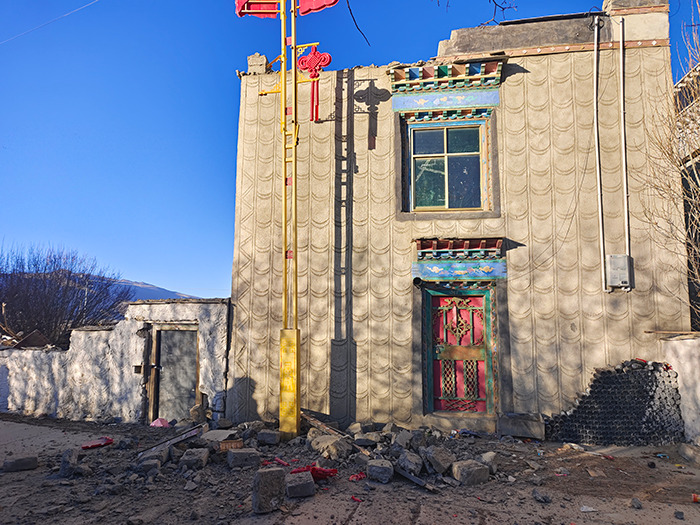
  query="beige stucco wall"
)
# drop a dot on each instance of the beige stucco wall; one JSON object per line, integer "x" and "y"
{"x": 358, "y": 357}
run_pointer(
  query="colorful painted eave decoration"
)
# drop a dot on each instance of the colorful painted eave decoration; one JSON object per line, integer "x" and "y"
{"x": 474, "y": 75}
{"x": 466, "y": 270}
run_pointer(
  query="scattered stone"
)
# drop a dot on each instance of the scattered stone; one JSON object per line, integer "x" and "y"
{"x": 268, "y": 490}
{"x": 269, "y": 437}
{"x": 651, "y": 464}
{"x": 440, "y": 458}
{"x": 127, "y": 443}
{"x": 195, "y": 458}
{"x": 368, "y": 440}
{"x": 176, "y": 454}
{"x": 489, "y": 459}
{"x": 542, "y": 498}
{"x": 470, "y": 472}
{"x": 243, "y": 457}
{"x": 418, "y": 439}
{"x": 332, "y": 447}
{"x": 636, "y": 504}
{"x": 19, "y": 464}
{"x": 354, "y": 428}
{"x": 410, "y": 462}
{"x": 162, "y": 455}
{"x": 251, "y": 429}
{"x": 380, "y": 470}
{"x": 390, "y": 428}
{"x": 403, "y": 438}
{"x": 300, "y": 485}
{"x": 69, "y": 462}
{"x": 511, "y": 479}
{"x": 533, "y": 465}
{"x": 190, "y": 485}
{"x": 679, "y": 515}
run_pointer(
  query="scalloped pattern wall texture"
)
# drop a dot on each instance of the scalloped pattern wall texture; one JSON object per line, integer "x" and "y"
{"x": 355, "y": 246}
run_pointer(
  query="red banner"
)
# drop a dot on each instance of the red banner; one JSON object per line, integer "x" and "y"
{"x": 249, "y": 5}
{"x": 313, "y": 6}
{"x": 246, "y": 7}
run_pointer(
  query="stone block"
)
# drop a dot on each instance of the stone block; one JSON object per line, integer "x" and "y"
{"x": 268, "y": 490}
{"x": 354, "y": 428}
{"x": 403, "y": 438}
{"x": 19, "y": 464}
{"x": 195, "y": 458}
{"x": 243, "y": 457}
{"x": 162, "y": 455}
{"x": 69, "y": 462}
{"x": 332, "y": 447}
{"x": 380, "y": 470}
{"x": 217, "y": 436}
{"x": 251, "y": 429}
{"x": 148, "y": 465}
{"x": 490, "y": 460}
{"x": 391, "y": 428}
{"x": 370, "y": 439}
{"x": 410, "y": 462}
{"x": 439, "y": 458}
{"x": 418, "y": 439}
{"x": 269, "y": 437}
{"x": 224, "y": 423}
{"x": 470, "y": 472}
{"x": 300, "y": 485}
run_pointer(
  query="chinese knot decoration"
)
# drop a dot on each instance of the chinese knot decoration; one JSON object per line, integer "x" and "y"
{"x": 314, "y": 62}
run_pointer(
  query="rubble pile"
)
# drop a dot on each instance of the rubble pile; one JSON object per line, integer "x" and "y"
{"x": 635, "y": 403}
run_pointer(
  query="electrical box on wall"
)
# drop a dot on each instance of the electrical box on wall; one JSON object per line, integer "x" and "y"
{"x": 620, "y": 271}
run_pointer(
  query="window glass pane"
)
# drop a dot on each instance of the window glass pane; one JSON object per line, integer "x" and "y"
{"x": 428, "y": 141}
{"x": 464, "y": 181}
{"x": 429, "y": 180}
{"x": 462, "y": 140}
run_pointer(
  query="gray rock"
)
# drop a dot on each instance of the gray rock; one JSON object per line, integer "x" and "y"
{"x": 195, "y": 458}
{"x": 243, "y": 457}
{"x": 403, "y": 438}
{"x": 440, "y": 458}
{"x": 269, "y": 437}
{"x": 332, "y": 447}
{"x": 380, "y": 470}
{"x": 217, "y": 436}
{"x": 300, "y": 485}
{"x": 176, "y": 453}
{"x": 418, "y": 439}
{"x": 190, "y": 485}
{"x": 268, "y": 490}
{"x": 162, "y": 455}
{"x": 19, "y": 464}
{"x": 543, "y": 498}
{"x": 470, "y": 472}
{"x": 69, "y": 462}
{"x": 391, "y": 428}
{"x": 312, "y": 434}
{"x": 368, "y": 440}
{"x": 354, "y": 428}
{"x": 679, "y": 515}
{"x": 251, "y": 429}
{"x": 636, "y": 504}
{"x": 148, "y": 465}
{"x": 489, "y": 459}
{"x": 410, "y": 462}
{"x": 359, "y": 459}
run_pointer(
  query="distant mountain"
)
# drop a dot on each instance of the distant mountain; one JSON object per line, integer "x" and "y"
{"x": 149, "y": 292}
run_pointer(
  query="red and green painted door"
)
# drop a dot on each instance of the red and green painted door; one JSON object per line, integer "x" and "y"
{"x": 459, "y": 352}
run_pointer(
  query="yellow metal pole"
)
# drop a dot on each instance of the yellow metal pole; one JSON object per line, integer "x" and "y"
{"x": 283, "y": 124}
{"x": 289, "y": 410}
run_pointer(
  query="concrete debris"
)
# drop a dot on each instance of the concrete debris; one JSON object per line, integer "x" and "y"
{"x": 380, "y": 470}
{"x": 332, "y": 447}
{"x": 268, "y": 490}
{"x": 69, "y": 463}
{"x": 541, "y": 498}
{"x": 300, "y": 485}
{"x": 369, "y": 439}
{"x": 440, "y": 458}
{"x": 410, "y": 462}
{"x": 223, "y": 423}
{"x": 470, "y": 472}
{"x": 269, "y": 437}
{"x": 489, "y": 459}
{"x": 19, "y": 464}
{"x": 243, "y": 457}
{"x": 195, "y": 458}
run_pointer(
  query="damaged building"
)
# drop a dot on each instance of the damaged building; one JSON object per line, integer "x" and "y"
{"x": 472, "y": 243}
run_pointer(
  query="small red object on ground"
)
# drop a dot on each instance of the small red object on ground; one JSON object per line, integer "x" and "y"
{"x": 356, "y": 499}
{"x": 103, "y": 441}
{"x": 266, "y": 463}
{"x": 358, "y": 476}
{"x": 160, "y": 422}
{"x": 282, "y": 462}
{"x": 317, "y": 473}
{"x": 696, "y": 498}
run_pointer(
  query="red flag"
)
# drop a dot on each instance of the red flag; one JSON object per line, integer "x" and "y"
{"x": 249, "y": 5}
{"x": 313, "y": 6}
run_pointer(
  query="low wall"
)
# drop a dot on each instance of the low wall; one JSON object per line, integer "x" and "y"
{"x": 683, "y": 354}
{"x": 95, "y": 377}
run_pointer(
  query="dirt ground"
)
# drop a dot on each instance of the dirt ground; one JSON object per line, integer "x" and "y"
{"x": 583, "y": 486}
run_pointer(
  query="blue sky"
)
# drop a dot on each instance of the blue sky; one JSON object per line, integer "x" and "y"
{"x": 118, "y": 123}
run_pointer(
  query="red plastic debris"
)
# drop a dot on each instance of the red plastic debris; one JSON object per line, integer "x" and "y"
{"x": 356, "y": 499}
{"x": 317, "y": 473}
{"x": 294, "y": 460}
{"x": 101, "y": 442}
{"x": 282, "y": 462}
{"x": 160, "y": 422}
{"x": 358, "y": 476}
{"x": 266, "y": 463}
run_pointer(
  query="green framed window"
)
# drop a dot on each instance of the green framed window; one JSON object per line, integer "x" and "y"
{"x": 449, "y": 166}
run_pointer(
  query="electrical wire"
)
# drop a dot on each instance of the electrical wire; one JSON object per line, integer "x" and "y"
{"x": 49, "y": 22}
